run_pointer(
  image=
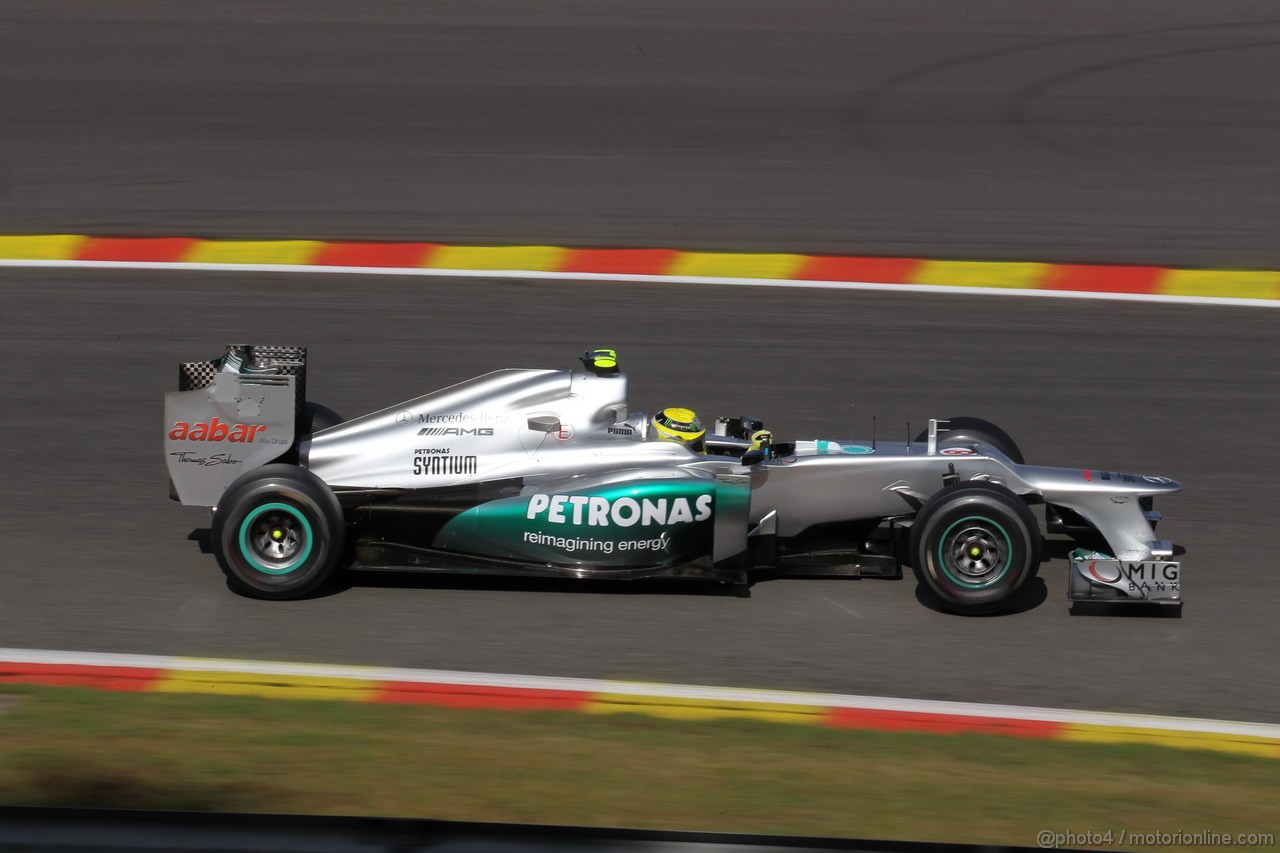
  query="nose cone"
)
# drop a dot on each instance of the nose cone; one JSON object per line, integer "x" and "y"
{"x": 1146, "y": 484}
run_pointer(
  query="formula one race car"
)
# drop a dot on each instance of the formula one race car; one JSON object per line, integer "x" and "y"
{"x": 548, "y": 473}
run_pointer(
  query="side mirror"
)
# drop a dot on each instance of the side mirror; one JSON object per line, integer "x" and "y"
{"x": 740, "y": 427}
{"x": 544, "y": 423}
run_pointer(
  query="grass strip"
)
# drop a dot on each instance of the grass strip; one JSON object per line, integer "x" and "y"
{"x": 77, "y": 747}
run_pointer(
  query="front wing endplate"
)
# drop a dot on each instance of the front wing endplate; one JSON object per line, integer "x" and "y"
{"x": 1101, "y": 577}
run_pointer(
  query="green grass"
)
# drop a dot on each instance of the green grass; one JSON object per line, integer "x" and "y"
{"x": 72, "y": 747}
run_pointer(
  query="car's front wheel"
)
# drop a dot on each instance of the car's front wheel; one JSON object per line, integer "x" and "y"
{"x": 277, "y": 532}
{"x": 973, "y": 546}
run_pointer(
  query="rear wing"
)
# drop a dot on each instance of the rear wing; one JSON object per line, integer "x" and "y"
{"x": 231, "y": 415}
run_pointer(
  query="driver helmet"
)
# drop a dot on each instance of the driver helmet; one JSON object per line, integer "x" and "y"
{"x": 679, "y": 425}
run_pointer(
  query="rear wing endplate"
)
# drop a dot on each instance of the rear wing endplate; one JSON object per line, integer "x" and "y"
{"x": 231, "y": 415}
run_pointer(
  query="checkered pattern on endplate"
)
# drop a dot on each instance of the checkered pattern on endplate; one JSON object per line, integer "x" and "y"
{"x": 196, "y": 374}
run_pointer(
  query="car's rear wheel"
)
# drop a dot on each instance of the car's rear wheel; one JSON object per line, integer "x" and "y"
{"x": 973, "y": 546}
{"x": 277, "y": 532}
{"x": 962, "y": 430}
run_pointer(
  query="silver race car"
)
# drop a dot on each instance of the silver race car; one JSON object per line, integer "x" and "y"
{"x": 548, "y": 473}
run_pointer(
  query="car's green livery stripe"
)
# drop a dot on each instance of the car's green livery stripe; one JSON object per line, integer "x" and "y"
{"x": 513, "y": 528}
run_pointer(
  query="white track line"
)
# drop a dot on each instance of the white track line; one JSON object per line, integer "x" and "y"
{"x": 538, "y": 275}
{"x": 626, "y": 688}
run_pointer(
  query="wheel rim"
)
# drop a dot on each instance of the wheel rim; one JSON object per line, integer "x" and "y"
{"x": 975, "y": 552}
{"x": 276, "y": 538}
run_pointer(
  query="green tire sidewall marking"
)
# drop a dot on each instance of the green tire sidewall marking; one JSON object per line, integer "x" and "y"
{"x": 247, "y": 552}
{"x": 1004, "y": 570}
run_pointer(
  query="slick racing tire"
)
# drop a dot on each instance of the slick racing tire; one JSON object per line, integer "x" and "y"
{"x": 974, "y": 546}
{"x": 962, "y": 430}
{"x": 277, "y": 532}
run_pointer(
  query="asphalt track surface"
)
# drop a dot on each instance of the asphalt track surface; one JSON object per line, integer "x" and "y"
{"x": 1076, "y": 131}
{"x": 97, "y": 558}
{"x": 1088, "y": 130}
